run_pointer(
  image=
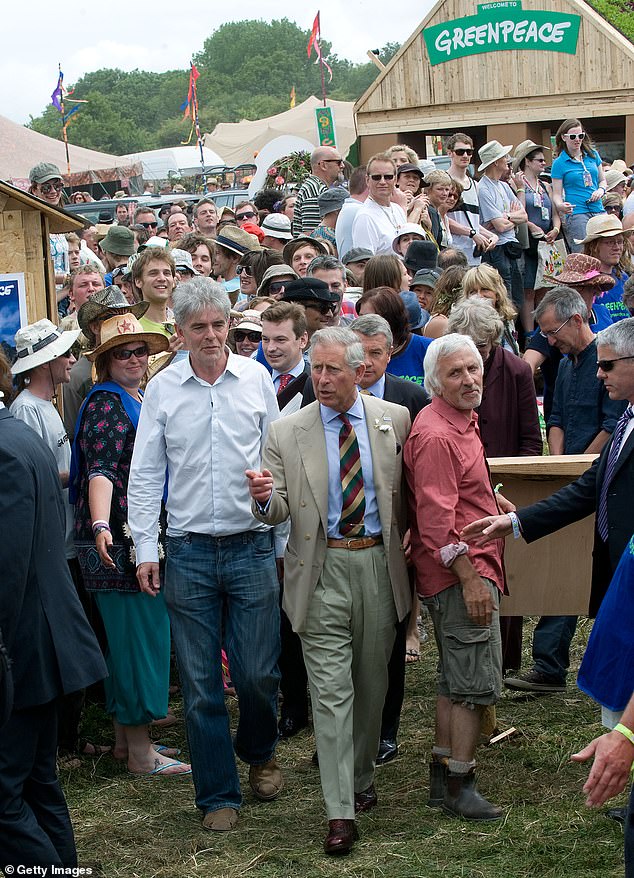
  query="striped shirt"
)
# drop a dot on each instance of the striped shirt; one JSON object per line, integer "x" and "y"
{"x": 306, "y": 216}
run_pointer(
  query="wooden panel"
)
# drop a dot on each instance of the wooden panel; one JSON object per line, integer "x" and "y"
{"x": 552, "y": 576}
{"x": 37, "y": 254}
{"x": 604, "y": 61}
{"x": 12, "y": 256}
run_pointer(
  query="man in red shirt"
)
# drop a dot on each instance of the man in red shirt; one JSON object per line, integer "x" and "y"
{"x": 461, "y": 585}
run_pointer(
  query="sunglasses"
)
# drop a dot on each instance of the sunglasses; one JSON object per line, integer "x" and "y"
{"x": 244, "y": 269}
{"x": 49, "y": 187}
{"x": 323, "y": 307}
{"x": 337, "y": 161}
{"x": 463, "y": 151}
{"x": 244, "y": 216}
{"x": 242, "y": 335}
{"x": 377, "y": 177}
{"x": 555, "y": 331}
{"x": 126, "y": 354}
{"x": 608, "y": 365}
{"x": 612, "y": 209}
{"x": 153, "y": 225}
{"x": 575, "y": 136}
{"x": 277, "y": 286}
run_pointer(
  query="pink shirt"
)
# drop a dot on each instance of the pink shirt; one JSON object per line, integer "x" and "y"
{"x": 450, "y": 487}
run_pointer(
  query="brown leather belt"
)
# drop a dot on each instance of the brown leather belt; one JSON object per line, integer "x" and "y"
{"x": 354, "y": 543}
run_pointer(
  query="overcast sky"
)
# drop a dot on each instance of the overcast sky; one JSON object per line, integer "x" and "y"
{"x": 159, "y": 35}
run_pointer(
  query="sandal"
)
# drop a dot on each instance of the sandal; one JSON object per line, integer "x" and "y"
{"x": 411, "y": 656}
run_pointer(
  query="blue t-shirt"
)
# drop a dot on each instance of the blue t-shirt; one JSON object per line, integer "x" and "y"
{"x": 613, "y": 299}
{"x": 571, "y": 175}
{"x": 409, "y": 363}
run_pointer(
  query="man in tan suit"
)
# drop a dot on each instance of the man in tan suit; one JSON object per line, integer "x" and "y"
{"x": 335, "y": 468}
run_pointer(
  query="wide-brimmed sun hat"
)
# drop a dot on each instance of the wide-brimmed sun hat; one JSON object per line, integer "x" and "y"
{"x": 603, "y": 225}
{"x": 125, "y": 329}
{"x": 582, "y": 270}
{"x": 103, "y": 304}
{"x": 39, "y": 343}
{"x": 526, "y": 147}
{"x": 491, "y": 152}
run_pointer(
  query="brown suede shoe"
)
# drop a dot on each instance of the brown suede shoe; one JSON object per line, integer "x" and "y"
{"x": 266, "y": 780}
{"x": 222, "y": 820}
{"x": 342, "y": 834}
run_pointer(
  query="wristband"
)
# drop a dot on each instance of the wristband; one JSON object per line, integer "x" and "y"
{"x": 515, "y": 523}
{"x": 520, "y": 190}
{"x": 100, "y": 521}
{"x": 627, "y": 733}
{"x": 496, "y": 490}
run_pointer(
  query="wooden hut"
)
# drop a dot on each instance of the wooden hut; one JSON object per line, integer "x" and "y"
{"x": 508, "y": 71}
{"x": 25, "y": 225}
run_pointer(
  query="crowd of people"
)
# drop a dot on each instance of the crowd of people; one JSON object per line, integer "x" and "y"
{"x": 272, "y": 460}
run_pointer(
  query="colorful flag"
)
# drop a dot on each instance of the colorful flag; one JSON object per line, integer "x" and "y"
{"x": 293, "y": 97}
{"x": 186, "y": 105}
{"x": 71, "y": 112}
{"x": 58, "y": 94}
{"x": 314, "y": 37}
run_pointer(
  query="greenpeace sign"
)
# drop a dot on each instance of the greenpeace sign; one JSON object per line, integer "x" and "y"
{"x": 502, "y": 27}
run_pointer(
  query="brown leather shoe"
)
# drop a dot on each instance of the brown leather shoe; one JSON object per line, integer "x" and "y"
{"x": 365, "y": 800}
{"x": 222, "y": 820}
{"x": 266, "y": 780}
{"x": 342, "y": 834}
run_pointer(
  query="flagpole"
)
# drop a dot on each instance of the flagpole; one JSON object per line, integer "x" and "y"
{"x": 196, "y": 122}
{"x": 64, "y": 132}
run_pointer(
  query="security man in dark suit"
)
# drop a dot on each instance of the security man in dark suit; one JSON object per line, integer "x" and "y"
{"x": 50, "y": 643}
{"x": 376, "y": 336}
{"x": 606, "y": 488}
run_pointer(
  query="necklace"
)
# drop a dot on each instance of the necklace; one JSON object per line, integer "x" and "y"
{"x": 389, "y": 213}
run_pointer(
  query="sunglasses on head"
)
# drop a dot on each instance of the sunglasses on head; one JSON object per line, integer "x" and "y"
{"x": 125, "y": 354}
{"x": 153, "y": 225}
{"x": 249, "y": 214}
{"x": 575, "y": 136}
{"x": 277, "y": 286}
{"x": 463, "y": 151}
{"x": 56, "y": 185}
{"x": 377, "y": 177}
{"x": 323, "y": 307}
{"x": 243, "y": 334}
{"x": 608, "y": 365}
{"x": 244, "y": 269}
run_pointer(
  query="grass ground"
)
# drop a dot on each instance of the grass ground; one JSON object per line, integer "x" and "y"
{"x": 128, "y": 826}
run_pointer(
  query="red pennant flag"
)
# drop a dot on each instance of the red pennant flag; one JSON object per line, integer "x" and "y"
{"x": 314, "y": 36}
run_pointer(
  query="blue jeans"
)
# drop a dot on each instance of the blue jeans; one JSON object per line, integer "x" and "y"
{"x": 551, "y": 645}
{"x": 509, "y": 271}
{"x": 232, "y": 580}
{"x": 574, "y": 227}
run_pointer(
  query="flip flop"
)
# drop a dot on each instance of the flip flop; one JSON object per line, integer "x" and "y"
{"x": 166, "y": 751}
{"x": 161, "y": 769}
{"x": 411, "y": 656}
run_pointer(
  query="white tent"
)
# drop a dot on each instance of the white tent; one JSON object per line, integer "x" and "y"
{"x": 158, "y": 164}
{"x": 239, "y": 141}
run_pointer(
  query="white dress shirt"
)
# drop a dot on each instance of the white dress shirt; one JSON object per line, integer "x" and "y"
{"x": 206, "y": 435}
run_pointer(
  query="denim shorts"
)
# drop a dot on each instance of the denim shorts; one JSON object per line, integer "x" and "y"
{"x": 469, "y": 655}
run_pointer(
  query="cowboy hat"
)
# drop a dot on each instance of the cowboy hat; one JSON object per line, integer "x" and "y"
{"x": 124, "y": 329}
{"x": 526, "y": 147}
{"x": 106, "y": 303}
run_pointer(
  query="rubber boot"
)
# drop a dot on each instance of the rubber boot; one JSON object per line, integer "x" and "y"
{"x": 463, "y": 800}
{"x": 437, "y": 782}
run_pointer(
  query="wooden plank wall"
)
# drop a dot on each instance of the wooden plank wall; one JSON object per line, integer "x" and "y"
{"x": 24, "y": 248}
{"x": 600, "y": 64}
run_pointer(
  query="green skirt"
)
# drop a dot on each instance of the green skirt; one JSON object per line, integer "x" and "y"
{"x": 138, "y": 656}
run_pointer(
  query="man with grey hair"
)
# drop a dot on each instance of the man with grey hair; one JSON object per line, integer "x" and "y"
{"x": 582, "y": 419}
{"x": 326, "y": 165}
{"x": 335, "y": 468}
{"x": 203, "y": 423}
{"x": 448, "y": 480}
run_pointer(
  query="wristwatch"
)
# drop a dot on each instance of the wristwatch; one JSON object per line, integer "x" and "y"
{"x": 472, "y": 233}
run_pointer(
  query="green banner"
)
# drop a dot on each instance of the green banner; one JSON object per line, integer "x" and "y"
{"x": 325, "y": 126}
{"x": 502, "y": 27}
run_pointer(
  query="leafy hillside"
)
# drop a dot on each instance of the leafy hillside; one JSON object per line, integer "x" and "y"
{"x": 620, "y": 14}
{"x": 247, "y": 70}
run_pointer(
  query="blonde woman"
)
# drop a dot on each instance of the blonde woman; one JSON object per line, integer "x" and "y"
{"x": 485, "y": 281}
{"x": 440, "y": 186}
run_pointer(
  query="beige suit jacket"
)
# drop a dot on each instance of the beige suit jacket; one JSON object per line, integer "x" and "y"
{"x": 295, "y": 453}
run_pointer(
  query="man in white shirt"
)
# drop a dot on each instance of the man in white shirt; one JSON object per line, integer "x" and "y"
{"x": 379, "y": 218}
{"x": 358, "y": 189}
{"x": 203, "y": 422}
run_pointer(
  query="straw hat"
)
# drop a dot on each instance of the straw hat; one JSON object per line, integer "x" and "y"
{"x": 40, "y": 343}
{"x": 106, "y": 303}
{"x": 522, "y": 150}
{"x": 613, "y": 177}
{"x": 582, "y": 270}
{"x": 237, "y": 240}
{"x": 620, "y": 165}
{"x": 491, "y": 152}
{"x": 603, "y": 225}
{"x": 124, "y": 329}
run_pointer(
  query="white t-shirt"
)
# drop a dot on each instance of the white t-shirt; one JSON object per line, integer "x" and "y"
{"x": 42, "y": 416}
{"x": 469, "y": 217}
{"x": 628, "y": 207}
{"x": 375, "y": 227}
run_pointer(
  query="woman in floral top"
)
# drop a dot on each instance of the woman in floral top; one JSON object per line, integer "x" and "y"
{"x": 136, "y": 624}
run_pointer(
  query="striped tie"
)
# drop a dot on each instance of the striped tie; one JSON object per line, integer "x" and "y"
{"x": 353, "y": 506}
{"x": 613, "y": 454}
